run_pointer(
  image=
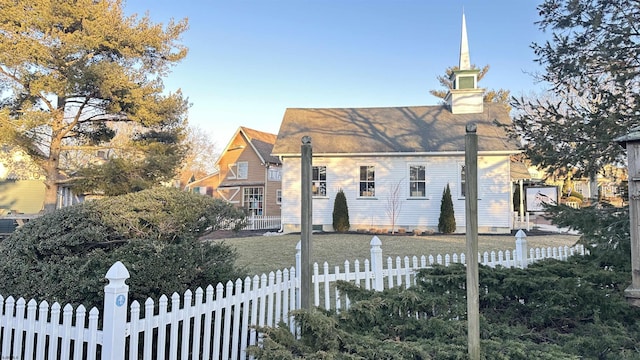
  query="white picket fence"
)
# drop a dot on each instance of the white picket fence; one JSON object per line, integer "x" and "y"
{"x": 215, "y": 323}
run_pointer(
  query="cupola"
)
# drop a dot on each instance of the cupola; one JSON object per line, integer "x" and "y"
{"x": 465, "y": 97}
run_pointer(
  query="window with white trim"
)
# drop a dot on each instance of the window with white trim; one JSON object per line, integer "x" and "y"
{"x": 252, "y": 200}
{"x": 275, "y": 174}
{"x": 239, "y": 170}
{"x": 417, "y": 181}
{"x": 462, "y": 179}
{"x": 279, "y": 196}
{"x": 243, "y": 170}
{"x": 367, "y": 181}
{"x": 319, "y": 181}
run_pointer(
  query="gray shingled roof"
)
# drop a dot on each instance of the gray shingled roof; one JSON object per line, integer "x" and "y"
{"x": 409, "y": 129}
{"x": 263, "y": 143}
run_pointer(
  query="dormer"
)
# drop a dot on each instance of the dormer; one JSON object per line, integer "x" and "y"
{"x": 465, "y": 97}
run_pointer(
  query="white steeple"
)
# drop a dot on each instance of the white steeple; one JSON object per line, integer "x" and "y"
{"x": 465, "y": 61}
{"x": 465, "y": 97}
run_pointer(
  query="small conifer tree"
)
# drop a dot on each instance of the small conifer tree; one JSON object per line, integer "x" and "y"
{"x": 447, "y": 221}
{"x": 340, "y": 213}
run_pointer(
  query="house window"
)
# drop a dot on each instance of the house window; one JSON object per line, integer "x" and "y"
{"x": 367, "y": 181}
{"x": 463, "y": 180}
{"x": 278, "y": 196}
{"x": 238, "y": 170}
{"x": 319, "y": 181}
{"x": 417, "y": 181}
{"x": 243, "y": 170}
{"x": 252, "y": 200}
{"x": 275, "y": 174}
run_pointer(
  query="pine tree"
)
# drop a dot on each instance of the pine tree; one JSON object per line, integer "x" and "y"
{"x": 75, "y": 73}
{"x": 447, "y": 221}
{"x": 340, "y": 213}
{"x": 590, "y": 64}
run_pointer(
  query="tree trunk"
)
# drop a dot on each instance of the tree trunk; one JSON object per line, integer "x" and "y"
{"x": 51, "y": 185}
{"x": 51, "y": 167}
{"x": 50, "y": 196}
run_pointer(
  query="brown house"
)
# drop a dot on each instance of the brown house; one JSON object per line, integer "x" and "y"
{"x": 248, "y": 175}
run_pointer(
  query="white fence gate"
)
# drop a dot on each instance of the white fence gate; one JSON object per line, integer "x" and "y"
{"x": 216, "y": 323}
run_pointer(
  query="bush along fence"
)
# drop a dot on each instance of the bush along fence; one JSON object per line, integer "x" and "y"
{"x": 216, "y": 323}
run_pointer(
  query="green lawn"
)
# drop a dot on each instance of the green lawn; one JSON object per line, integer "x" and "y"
{"x": 262, "y": 254}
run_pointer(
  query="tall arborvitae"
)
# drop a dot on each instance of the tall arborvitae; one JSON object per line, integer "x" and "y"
{"x": 447, "y": 221}
{"x": 340, "y": 213}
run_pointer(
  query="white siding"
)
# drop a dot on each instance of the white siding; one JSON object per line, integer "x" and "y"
{"x": 364, "y": 213}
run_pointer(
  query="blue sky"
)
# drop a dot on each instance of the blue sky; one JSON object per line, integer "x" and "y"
{"x": 249, "y": 60}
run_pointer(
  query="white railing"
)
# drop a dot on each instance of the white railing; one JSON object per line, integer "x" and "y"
{"x": 573, "y": 204}
{"x": 521, "y": 222}
{"x": 259, "y": 222}
{"x": 216, "y": 323}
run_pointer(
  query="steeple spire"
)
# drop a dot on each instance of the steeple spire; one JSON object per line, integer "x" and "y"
{"x": 465, "y": 97}
{"x": 465, "y": 61}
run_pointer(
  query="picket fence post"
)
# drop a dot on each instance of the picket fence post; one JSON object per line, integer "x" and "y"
{"x": 115, "y": 312}
{"x": 521, "y": 249}
{"x": 376, "y": 264}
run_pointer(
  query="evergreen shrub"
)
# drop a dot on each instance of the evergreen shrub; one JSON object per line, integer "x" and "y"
{"x": 447, "y": 220}
{"x": 572, "y": 309}
{"x": 63, "y": 256}
{"x": 340, "y": 213}
{"x": 576, "y": 194}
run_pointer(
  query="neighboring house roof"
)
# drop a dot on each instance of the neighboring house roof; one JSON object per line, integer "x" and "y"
{"x": 202, "y": 181}
{"x": 261, "y": 142}
{"x": 388, "y": 130}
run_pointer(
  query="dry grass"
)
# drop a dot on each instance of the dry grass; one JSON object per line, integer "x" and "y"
{"x": 262, "y": 254}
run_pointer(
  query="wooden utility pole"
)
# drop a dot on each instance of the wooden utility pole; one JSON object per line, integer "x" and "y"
{"x": 305, "y": 224}
{"x": 471, "y": 214}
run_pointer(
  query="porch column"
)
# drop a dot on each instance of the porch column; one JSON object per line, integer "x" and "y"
{"x": 632, "y": 143}
{"x": 521, "y": 205}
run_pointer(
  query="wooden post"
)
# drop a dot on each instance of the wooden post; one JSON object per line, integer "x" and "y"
{"x": 632, "y": 142}
{"x": 306, "y": 223}
{"x": 114, "y": 328}
{"x": 471, "y": 209}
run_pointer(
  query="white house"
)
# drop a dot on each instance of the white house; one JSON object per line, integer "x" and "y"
{"x": 400, "y": 158}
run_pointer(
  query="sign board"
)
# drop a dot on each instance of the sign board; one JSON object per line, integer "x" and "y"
{"x": 537, "y": 196}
